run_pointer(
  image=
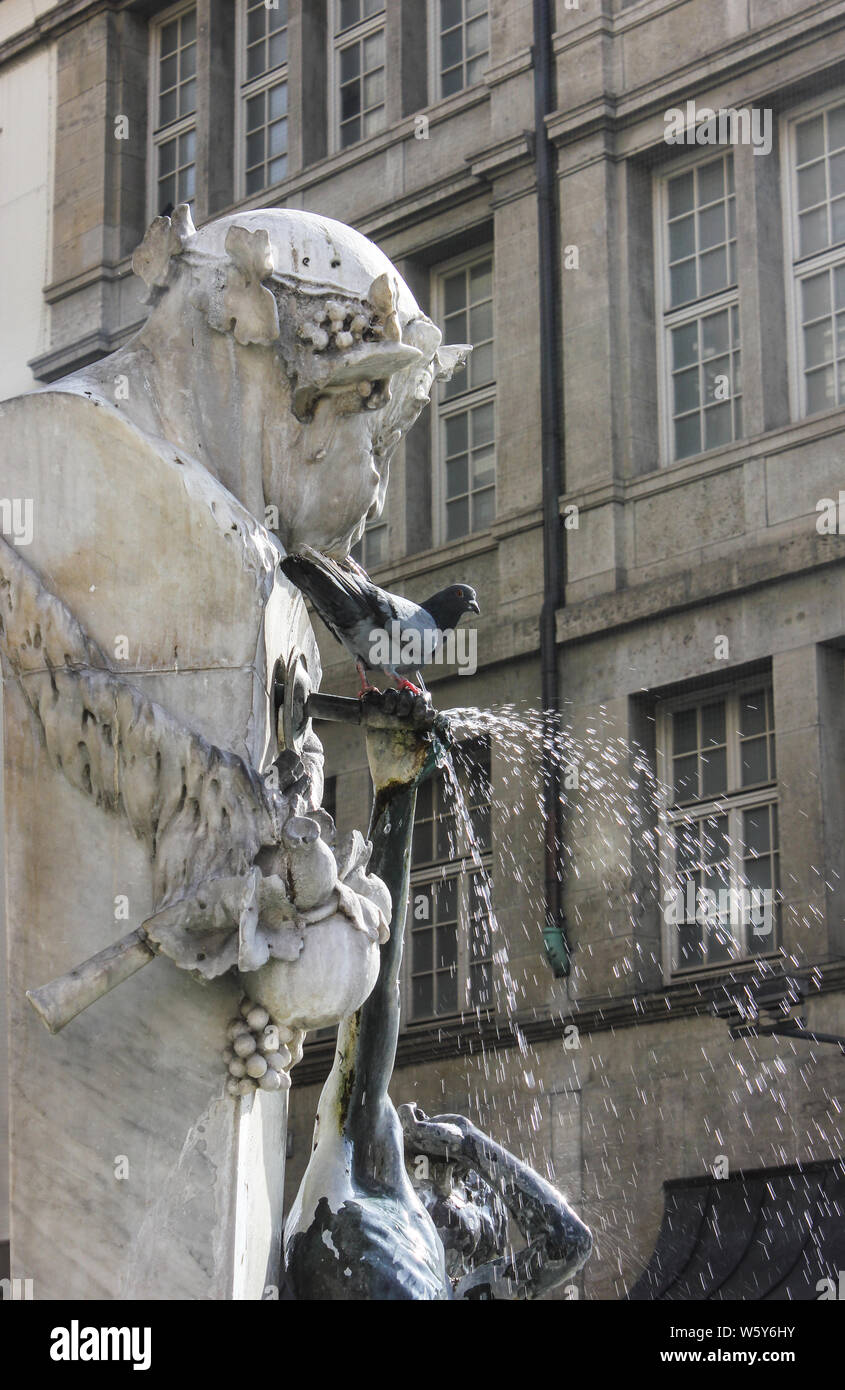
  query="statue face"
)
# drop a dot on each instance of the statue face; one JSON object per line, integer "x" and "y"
{"x": 335, "y": 483}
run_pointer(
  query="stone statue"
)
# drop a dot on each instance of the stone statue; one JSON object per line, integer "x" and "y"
{"x": 470, "y": 1185}
{"x": 143, "y": 620}
{"x": 370, "y": 1221}
{"x": 284, "y": 356}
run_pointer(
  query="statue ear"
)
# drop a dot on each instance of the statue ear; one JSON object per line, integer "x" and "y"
{"x": 450, "y": 358}
{"x": 166, "y": 237}
{"x": 248, "y": 305}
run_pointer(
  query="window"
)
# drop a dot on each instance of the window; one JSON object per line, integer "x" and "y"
{"x": 465, "y": 450}
{"x": 448, "y": 955}
{"x": 371, "y": 549}
{"x": 701, "y": 345}
{"x": 359, "y": 83}
{"x": 173, "y": 120}
{"x": 462, "y": 34}
{"x": 719, "y": 825}
{"x": 817, "y": 182}
{"x": 263, "y": 106}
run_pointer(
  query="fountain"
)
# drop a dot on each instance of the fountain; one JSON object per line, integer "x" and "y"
{"x": 163, "y": 771}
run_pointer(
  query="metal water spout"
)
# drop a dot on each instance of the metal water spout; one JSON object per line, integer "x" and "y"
{"x": 297, "y": 704}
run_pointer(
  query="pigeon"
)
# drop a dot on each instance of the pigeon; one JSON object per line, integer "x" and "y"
{"x": 381, "y": 631}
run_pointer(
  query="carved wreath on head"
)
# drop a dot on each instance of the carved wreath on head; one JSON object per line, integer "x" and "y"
{"x": 334, "y": 340}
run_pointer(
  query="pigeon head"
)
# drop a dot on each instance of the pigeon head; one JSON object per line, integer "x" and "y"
{"x": 449, "y": 605}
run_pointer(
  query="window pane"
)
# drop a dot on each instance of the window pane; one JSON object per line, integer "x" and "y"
{"x": 686, "y": 778}
{"x": 167, "y": 108}
{"x": 481, "y": 322}
{"x": 447, "y": 948}
{"x": 821, "y": 394}
{"x": 451, "y": 49}
{"x": 374, "y": 51}
{"x": 457, "y": 433}
{"x": 457, "y": 476}
{"x": 752, "y": 713}
{"x": 711, "y": 180}
{"x": 483, "y": 467}
{"x": 756, "y": 831}
{"x": 686, "y": 391}
{"x": 682, "y": 238}
{"x": 454, "y": 293}
{"x": 714, "y": 772}
{"x": 422, "y": 949}
{"x": 813, "y": 235}
{"x": 714, "y": 271}
{"x": 715, "y": 333}
{"x": 476, "y": 37}
{"x": 422, "y": 997}
{"x": 713, "y": 723}
{"x": 170, "y": 37}
{"x": 483, "y": 509}
{"x": 481, "y": 365}
{"x": 810, "y": 139}
{"x": 818, "y": 343}
{"x": 681, "y": 194}
{"x": 482, "y": 425}
{"x": 168, "y": 72}
{"x": 684, "y": 344}
{"x": 277, "y": 99}
{"x": 457, "y": 519}
{"x": 166, "y": 157}
{"x": 684, "y": 731}
{"x": 754, "y": 760}
{"x": 718, "y": 427}
{"x": 682, "y": 279}
{"x": 350, "y": 62}
{"x": 815, "y": 296}
{"x": 811, "y": 185}
{"x": 481, "y": 281}
{"x": 447, "y": 993}
{"x": 711, "y": 226}
{"x": 687, "y": 436}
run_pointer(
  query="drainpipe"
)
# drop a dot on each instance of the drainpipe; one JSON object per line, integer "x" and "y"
{"x": 551, "y": 416}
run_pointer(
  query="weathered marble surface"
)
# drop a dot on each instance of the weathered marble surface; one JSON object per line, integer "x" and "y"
{"x": 140, "y": 546}
{"x": 282, "y": 362}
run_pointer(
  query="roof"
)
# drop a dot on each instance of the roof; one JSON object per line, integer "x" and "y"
{"x": 767, "y": 1233}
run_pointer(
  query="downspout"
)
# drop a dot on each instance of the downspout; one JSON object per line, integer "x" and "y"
{"x": 551, "y": 417}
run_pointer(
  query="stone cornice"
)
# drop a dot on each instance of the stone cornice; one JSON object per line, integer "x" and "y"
{"x": 747, "y": 569}
{"x": 684, "y": 999}
{"x": 749, "y": 52}
{"x": 59, "y": 361}
{"x": 57, "y": 21}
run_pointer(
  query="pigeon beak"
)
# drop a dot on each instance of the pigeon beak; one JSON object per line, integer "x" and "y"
{"x": 472, "y": 606}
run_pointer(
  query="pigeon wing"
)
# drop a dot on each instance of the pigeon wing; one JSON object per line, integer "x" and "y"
{"x": 346, "y": 600}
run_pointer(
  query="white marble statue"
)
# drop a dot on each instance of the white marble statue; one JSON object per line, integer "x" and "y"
{"x": 282, "y": 361}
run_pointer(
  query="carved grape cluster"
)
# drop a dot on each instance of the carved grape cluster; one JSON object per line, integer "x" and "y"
{"x": 260, "y": 1052}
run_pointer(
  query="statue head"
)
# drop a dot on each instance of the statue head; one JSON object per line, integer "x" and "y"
{"x": 309, "y": 359}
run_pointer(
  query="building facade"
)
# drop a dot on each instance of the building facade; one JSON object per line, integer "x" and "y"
{"x": 699, "y": 156}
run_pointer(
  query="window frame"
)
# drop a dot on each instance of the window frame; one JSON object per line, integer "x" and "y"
{"x": 245, "y": 88}
{"x": 159, "y": 135}
{"x": 436, "y": 76}
{"x": 667, "y": 318}
{"x": 337, "y": 40}
{"x": 380, "y": 523}
{"x": 462, "y": 401}
{"x": 729, "y": 803}
{"x": 463, "y": 868}
{"x": 797, "y": 268}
